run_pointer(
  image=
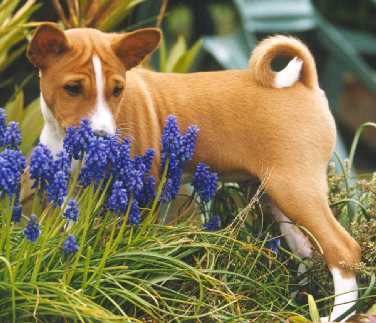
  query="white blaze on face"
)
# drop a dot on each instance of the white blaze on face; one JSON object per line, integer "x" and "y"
{"x": 101, "y": 119}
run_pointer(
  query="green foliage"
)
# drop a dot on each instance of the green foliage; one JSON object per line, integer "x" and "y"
{"x": 136, "y": 273}
{"x": 180, "y": 58}
{"x": 114, "y": 17}
{"x": 105, "y": 15}
{"x": 13, "y": 29}
{"x": 313, "y": 311}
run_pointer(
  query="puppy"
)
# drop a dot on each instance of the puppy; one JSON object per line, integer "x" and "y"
{"x": 253, "y": 122}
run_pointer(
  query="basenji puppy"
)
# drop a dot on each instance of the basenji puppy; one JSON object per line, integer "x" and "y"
{"x": 253, "y": 123}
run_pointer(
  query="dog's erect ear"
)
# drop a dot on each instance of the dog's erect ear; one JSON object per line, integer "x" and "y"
{"x": 49, "y": 41}
{"x": 133, "y": 47}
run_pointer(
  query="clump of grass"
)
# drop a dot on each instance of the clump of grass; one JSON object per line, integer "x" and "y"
{"x": 84, "y": 254}
{"x": 159, "y": 272}
{"x": 100, "y": 262}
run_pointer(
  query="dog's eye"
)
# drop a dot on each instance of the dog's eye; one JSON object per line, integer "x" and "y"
{"x": 118, "y": 89}
{"x": 73, "y": 89}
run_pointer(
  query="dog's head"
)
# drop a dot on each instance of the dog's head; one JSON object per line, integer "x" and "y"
{"x": 83, "y": 71}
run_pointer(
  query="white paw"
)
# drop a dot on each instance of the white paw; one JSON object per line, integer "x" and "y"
{"x": 346, "y": 291}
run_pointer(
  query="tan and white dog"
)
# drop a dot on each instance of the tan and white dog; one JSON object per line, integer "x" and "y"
{"x": 252, "y": 122}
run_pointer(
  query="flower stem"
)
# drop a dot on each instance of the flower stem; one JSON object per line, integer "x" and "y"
{"x": 151, "y": 216}
{"x": 123, "y": 225}
{"x": 86, "y": 223}
{"x": 102, "y": 263}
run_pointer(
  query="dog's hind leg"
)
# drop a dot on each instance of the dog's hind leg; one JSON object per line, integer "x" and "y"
{"x": 303, "y": 198}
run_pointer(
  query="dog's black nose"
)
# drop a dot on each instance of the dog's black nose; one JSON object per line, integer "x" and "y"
{"x": 101, "y": 133}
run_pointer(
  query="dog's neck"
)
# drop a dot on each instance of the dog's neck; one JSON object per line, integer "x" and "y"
{"x": 52, "y": 134}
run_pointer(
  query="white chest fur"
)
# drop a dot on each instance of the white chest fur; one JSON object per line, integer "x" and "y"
{"x": 52, "y": 135}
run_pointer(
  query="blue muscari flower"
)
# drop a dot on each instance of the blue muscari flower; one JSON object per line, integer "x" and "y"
{"x": 134, "y": 216}
{"x": 134, "y": 176}
{"x": 205, "y": 182}
{"x": 213, "y": 224}
{"x": 57, "y": 190}
{"x": 16, "y": 159}
{"x": 274, "y": 245}
{"x": 2, "y": 127}
{"x": 168, "y": 192}
{"x": 121, "y": 160}
{"x": 32, "y": 230}
{"x": 96, "y": 162}
{"x": 171, "y": 188}
{"x": 170, "y": 139}
{"x": 41, "y": 166}
{"x": 8, "y": 180}
{"x": 147, "y": 193}
{"x": 17, "y": 212}
{"x": 113, "y": 143}
{"x": 72, "y": 143}
{"x": 178, "y": 148}
{"x": 62, "y": 162}
{"x": 130, "y": 171}
{"x": 70, "y": 244}
{"x": 118, "y": 200}
{"x": 12, "y": 165}
{"x": 77, "y": 139}
{"x": 147, "y": 160}
{"x": 72, "y": 211}
{"x": 12, "y": 136}
{"x": 188, "y": 143}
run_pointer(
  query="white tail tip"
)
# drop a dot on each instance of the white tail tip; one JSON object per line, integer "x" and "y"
{"x": 289, "y": 75}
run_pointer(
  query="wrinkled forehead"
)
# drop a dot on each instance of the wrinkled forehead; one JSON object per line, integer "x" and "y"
{"x": 87, "y": 47}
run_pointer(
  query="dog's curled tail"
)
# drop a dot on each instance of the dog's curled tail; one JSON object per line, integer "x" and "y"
{"x": 302, "y": 67}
